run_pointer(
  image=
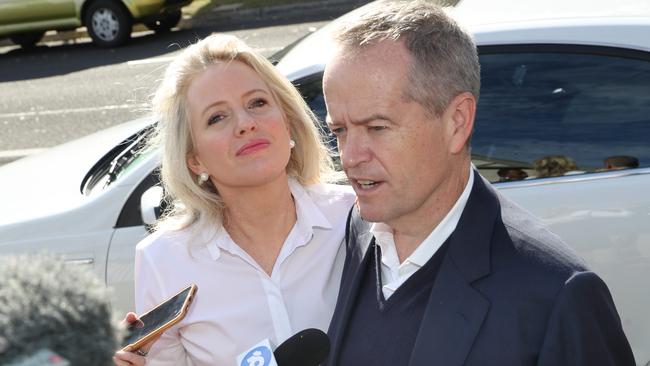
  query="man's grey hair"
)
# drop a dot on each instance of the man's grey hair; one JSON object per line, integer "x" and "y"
{"x": 46, "y": 304}
{"x": 445, "y": 60}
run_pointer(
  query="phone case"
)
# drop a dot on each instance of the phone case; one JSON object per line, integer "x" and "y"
{"x": 154, "y": 333}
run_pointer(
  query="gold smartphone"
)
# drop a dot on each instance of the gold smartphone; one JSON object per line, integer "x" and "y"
{"x": 159, "y": 319}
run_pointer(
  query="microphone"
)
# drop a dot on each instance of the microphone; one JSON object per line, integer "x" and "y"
{"x": 53, "y": 313}
{"x": 309, "y": 347}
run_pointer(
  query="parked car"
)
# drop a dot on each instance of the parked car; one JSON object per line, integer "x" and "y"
{"x": 563, "y": 129}
{"x": 108, "y": 22}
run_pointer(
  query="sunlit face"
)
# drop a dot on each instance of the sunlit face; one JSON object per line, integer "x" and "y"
{"x": 238, "y": 130}
{"x": 396, "y": 155}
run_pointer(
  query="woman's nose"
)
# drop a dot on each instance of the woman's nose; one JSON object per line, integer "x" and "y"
{"x": 245, "y": 123}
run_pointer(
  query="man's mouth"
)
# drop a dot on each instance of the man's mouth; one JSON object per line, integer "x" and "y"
{"x": 366, "y": 184}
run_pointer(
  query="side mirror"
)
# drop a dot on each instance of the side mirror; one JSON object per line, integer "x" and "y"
{"x": 150, "y": 205}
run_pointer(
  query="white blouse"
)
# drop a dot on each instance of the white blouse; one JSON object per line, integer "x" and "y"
{"x": 237, "y": 304}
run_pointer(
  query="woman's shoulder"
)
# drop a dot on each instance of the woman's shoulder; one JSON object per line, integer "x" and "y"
{"x": 342, "y": 191}
{"x": 332, "y": 199}
{"x": 163, "y": 240}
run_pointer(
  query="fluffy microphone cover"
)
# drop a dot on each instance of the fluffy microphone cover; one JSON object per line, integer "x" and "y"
{"x": 63, "y": 308}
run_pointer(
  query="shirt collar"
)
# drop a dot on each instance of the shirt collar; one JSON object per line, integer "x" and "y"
{"x": 384, "y": 234}
{"x": 308, "y": 214}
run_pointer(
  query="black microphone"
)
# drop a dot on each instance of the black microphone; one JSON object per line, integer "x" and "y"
{"x": 309, "y": 347}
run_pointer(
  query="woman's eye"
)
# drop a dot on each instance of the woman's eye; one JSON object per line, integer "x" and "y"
{"x": 215, "y": 119}
{"x": 257, "y": 103}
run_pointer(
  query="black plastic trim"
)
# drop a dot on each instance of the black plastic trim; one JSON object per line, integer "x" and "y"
{"x": 565, "y": 48}
{"x": 130, "y": 214}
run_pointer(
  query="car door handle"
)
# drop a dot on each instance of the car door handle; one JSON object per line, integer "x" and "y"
{"x": 80, "y": 261}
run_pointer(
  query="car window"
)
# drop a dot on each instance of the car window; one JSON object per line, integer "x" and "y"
{"x": 544, "y": 114}
{"x": 311, "y": 89}
{"x": 117, "y": 162}
{"x": 548, "y": 111}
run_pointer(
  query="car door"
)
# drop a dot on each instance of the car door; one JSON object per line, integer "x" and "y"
{"x": 24, "y": 15}
{"x": 129, "y": 231}
{"x": 564, "y": 130}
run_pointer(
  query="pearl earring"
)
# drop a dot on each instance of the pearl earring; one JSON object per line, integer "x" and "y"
{"x": 203, "y": 177}
{"x": 292, "y": 143}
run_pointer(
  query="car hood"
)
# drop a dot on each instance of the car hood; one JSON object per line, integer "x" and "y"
{"x": 50, "y": 182}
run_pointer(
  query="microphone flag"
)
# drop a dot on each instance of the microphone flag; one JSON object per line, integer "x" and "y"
{"x": 260, "y": 354}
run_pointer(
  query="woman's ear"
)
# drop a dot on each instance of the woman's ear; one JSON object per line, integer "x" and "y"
{"x": 195, "y": 164}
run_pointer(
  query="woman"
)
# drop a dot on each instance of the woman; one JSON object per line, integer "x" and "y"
{"x": 253, "y": 224}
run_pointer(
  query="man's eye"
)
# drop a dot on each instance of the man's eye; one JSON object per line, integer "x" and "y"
{"x": 337, "y": 130}
{"x": 376, "y": 128}
{"x": 257, "y": 103}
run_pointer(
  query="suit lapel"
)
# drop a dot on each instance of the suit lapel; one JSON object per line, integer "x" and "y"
{"x": 451, "y": 321}
{"x": 359, "y": 240}
{"x": 456, "y": 311}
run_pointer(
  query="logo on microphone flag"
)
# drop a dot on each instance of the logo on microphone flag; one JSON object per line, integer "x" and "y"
{"x": 258, "y": 355}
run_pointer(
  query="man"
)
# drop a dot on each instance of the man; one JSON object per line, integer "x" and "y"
{"x": 449, "y": 273}
{"x": 53, "y": 313}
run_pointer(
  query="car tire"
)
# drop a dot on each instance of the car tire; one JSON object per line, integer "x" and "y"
{"x": 166, "y": 22}
{"x": 27, "y": 40}
{"x": 108, "y": 22}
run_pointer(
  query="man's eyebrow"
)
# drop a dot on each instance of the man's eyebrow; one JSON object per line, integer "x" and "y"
{"x": 363, "y": 121}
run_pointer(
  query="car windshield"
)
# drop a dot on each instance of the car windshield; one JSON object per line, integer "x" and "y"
{"x": 121, "y": 159}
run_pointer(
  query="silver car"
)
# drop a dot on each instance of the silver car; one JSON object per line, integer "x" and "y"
{"x": 563, "y": 128}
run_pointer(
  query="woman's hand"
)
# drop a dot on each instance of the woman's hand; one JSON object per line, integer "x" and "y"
{"x": 137, "y": 358}
{"x": 123, "y": 358}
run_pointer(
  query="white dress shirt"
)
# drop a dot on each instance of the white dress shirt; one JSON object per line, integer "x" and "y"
{"x": 394, "y": 274}
{"x": 237, "y": 304}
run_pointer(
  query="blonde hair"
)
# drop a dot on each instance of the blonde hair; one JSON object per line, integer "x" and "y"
{"x": 310, "y": 160}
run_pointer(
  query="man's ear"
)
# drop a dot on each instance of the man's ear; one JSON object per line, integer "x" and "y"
{"x": 459, "y": 116}
{"x": 195, "y": 164}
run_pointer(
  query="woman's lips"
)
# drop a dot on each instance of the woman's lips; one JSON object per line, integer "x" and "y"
{"x": 253, "y": 146}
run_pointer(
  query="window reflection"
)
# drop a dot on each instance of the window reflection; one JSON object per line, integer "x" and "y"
{"x": 553, "y": 114}
{"x": 550, "y": 114}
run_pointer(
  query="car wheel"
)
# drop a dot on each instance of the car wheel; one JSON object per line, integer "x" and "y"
{"x": 108, "y": 23}
{"x": 166, "y": 22}
{"x": 27, "y": 40}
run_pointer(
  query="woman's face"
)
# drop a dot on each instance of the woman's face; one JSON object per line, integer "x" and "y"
{"x": 239, "y": 133}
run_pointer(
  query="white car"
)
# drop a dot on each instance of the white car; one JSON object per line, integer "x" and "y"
{"x": 563, "y": 128}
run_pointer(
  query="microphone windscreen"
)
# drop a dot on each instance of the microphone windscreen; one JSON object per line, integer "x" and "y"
{"x": 309, "y": 347}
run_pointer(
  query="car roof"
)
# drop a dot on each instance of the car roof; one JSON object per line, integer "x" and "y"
{"x": 481, "y": 12}
{"x": 621, "y": 23}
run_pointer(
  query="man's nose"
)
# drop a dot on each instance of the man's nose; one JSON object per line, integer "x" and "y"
{"x": 354, "y": 151}
{"x": 245, "y": 122}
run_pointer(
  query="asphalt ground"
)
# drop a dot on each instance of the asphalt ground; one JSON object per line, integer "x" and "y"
{"x": 67, "y": 88}
{"x": 231, "y": 16}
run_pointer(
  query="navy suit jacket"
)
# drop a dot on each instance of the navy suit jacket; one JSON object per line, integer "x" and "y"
{"x": 509, "y": 292}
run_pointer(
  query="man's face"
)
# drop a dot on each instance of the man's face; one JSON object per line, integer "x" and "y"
{"x": 398, "y": 157}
